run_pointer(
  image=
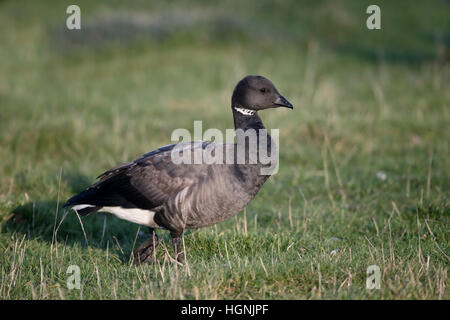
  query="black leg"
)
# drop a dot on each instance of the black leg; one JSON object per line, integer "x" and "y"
{"x": 175, "y": 232}
{"x": 176, "y": 242}
{"x": 145, "y": 251}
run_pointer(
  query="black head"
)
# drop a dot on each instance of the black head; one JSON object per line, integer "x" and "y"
{"x": 257, "y": 93}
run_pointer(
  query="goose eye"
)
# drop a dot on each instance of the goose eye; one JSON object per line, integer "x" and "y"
{"x": 263, "y": 90}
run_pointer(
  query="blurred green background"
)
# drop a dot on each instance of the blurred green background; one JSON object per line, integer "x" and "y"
{"x": 364, "y": 156}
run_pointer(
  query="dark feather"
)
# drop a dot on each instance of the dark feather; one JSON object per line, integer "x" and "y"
{"x": 145, "y": 183}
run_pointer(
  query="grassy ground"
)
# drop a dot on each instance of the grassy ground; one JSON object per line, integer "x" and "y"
{"x": 364, "y": 176}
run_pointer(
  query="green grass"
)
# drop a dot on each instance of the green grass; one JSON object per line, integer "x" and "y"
{"x": 367, "y": 103}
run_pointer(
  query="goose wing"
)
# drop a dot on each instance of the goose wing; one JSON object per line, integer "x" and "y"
{"x": 144, "y": 183}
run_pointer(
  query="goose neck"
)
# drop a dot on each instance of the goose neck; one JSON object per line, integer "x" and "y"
{"x": 246, "y": 119}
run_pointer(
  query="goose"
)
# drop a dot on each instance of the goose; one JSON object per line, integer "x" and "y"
{"x": 157, "y": 192}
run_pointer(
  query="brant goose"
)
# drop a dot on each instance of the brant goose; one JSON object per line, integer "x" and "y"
{"x": 156, "y": 192}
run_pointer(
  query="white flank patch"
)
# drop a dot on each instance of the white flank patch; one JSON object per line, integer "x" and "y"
{"x": 81, "y": 206}
{"x": 139, "y": 216}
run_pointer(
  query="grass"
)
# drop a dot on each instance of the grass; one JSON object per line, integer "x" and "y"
{"x": 364, "y": 157}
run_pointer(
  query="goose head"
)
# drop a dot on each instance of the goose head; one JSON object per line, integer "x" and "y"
{"x": 254, "y": 93}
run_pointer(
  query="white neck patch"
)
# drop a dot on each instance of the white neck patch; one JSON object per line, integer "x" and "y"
{"x": 244, "y": 111}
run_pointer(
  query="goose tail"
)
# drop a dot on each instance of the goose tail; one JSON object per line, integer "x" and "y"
{"x": 80, "y": 204}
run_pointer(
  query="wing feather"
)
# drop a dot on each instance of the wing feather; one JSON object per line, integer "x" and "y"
{"x": 145, "y": 183}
